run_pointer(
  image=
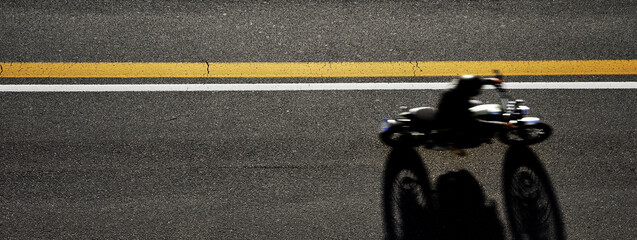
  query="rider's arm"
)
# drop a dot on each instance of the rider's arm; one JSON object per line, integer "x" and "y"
{"x": 497, "y": 82}
{"x": 492, "y": 81}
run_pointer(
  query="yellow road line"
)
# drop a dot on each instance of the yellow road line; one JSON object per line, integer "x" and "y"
{"x": 312, "y": 69}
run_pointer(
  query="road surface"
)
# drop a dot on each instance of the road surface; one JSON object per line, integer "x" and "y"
{"x": 291, "y": 164}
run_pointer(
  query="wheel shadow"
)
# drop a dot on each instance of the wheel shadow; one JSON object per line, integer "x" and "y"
{"x": 406, "y": 195}
{"x": 457, "y": 209}
{"x": 532, "y": 208}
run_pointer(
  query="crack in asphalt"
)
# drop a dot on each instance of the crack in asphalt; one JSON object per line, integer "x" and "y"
{"x": 322, "y": 67}
{"x": 1, "y": 70}
{"x": 418, "y": 67}
{"x": 207, "y": 68}
{"x": 415, "y": 67}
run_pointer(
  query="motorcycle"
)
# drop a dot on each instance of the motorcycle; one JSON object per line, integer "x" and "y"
{"x": 416, "y": 126}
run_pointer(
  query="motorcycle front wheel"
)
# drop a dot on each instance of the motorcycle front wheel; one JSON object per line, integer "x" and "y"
{"x": 526, "y": 135}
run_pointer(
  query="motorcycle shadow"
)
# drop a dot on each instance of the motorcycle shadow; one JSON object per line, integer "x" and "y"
{"x": 532, "y": 208}
{"x": 457, "y": 209}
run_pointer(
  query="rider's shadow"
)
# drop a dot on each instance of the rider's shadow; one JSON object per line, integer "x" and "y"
{"x": 458, "y": 207}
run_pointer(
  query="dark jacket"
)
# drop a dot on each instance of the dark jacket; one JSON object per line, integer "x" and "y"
{"x": 453, "y": 111}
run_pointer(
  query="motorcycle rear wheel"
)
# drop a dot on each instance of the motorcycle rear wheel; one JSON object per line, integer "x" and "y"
{"x": 397, "y": 137}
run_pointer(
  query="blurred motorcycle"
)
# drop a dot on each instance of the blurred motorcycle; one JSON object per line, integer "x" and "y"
{"x": 416, "y": 126}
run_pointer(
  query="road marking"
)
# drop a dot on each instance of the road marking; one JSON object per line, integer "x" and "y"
{"x": 313, "y": 69}
{"x": 297, "y": 87}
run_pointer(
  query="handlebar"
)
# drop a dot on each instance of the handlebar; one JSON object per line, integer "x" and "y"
{"x": 497, "y": 81}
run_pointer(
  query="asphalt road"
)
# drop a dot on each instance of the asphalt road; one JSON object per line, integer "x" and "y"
{"x": 281, "y": 31}
{"x": 290, "y": 165}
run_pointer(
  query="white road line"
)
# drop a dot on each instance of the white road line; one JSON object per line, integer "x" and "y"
{"x": 295, "y": 87}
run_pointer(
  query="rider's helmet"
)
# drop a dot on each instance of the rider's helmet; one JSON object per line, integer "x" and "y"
{"x": 468, "y": 85}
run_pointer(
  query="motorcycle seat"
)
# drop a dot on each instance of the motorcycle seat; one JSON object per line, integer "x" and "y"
{"x": 424, "y": 113}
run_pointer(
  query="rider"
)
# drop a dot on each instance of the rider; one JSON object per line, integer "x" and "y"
{"x": 462, "y": 130}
